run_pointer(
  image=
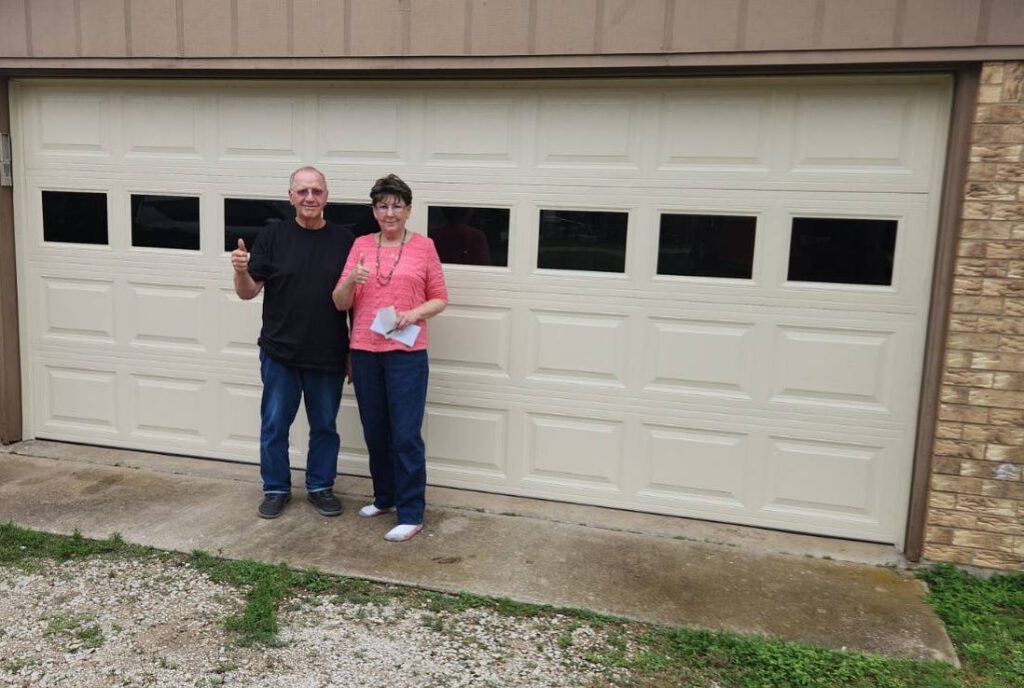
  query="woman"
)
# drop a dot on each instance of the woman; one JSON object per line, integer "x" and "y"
{"x": 400, "y": 269}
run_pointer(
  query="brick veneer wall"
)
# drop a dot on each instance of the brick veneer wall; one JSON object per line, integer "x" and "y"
{"x": 976, "y": 500}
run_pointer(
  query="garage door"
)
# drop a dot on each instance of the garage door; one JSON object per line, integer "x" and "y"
{"x": 696, "y": 297}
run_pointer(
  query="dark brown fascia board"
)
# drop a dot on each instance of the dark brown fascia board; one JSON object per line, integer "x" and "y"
{"x": 958, "y": 145}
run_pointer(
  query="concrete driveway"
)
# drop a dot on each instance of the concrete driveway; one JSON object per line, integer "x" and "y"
{"x": 665, "y": 570}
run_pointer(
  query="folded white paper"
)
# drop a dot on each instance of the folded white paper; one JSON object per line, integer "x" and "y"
{"x": 384, "y": 325}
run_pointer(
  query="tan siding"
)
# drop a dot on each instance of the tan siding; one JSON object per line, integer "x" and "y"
{"x": 428, "y": 36}
{"x": 705, "y": 25}
{"x": 378, "y": 27}
{"x": 153, "y": 27}
{"x": 566, "y": 27}
{"x": 500, "y": 27}
{"x": 10, "y": 361}
{"x": 102, "y": 28}
{"x": 858, "y": 23}
{"x": 944, "y": 22}
{"x": 13, "y": 32}
{"x": 319, "y": 27}
{"x": 773, "y": 25}
{"x": 263, "y": 28}
{"x": 53, "y": 30}
{"x": 1005, "y": 22}
{"x": 631, "y": 26}
{"x": 207, "y": 28}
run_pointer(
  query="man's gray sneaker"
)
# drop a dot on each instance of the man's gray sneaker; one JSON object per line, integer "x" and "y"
{"x": 325, "y": 502}
{"x": 273, "y": 504}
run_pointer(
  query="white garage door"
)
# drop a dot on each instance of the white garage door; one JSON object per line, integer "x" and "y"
{"x": 695, "y": 297}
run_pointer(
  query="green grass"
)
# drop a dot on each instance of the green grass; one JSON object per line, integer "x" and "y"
{"x": 985, "y": 619}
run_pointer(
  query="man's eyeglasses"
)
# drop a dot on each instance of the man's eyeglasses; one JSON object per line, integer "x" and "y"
{"x": 398, "y": 207}
{"x": 315, "y": 193}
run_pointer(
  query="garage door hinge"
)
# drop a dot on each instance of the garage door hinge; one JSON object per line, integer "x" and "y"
{"x": 6, "y": 175}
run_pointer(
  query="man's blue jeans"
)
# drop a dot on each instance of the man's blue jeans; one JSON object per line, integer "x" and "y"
{"x": 391, "y": 389}
{"x": 283, "y": 387}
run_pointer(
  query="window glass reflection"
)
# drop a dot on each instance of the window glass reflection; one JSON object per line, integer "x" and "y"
{"x": 76, "y": 217}
{"x": 466, "y": 235}
{"x": 841, "y": 250}
{"x": 706, "y": 245}
{"x": 244, "y": 217}
{"x": 165, "y": 221}
{"x": 582, "y": 240}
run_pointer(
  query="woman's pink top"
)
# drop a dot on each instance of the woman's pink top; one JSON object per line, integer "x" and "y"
{"x": 417, "y": 279}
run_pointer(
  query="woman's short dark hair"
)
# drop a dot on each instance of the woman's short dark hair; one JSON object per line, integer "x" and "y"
{"x": 390, "y": 187}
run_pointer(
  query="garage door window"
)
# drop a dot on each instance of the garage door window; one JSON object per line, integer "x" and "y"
{"x": 706, "y": 245}
{"x": 842, "y": 250}
{"x": 244, "y": 217}
{"x": 465, "y": 235}
{"x": 75, "y": 217}
{"x": 582, "y": 240}
{"x": 165, "y": 222}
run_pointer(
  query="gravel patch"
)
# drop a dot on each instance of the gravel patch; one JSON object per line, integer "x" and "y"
{"x": 150, "y": 622}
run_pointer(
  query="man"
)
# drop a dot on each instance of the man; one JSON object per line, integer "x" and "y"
{"x": 304, "y": 340}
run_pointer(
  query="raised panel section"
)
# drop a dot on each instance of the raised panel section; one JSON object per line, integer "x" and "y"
{"x": 351, "y": 430}
{"x": 694, "y": 465}
{"x": 72, "y": 125}
{"x": 847, "y": 130}
{"x": 240, "y": 416}
{"x": 79, "y": 309}
{"x": 466, "y": 440}
{"x": 78, "y": 399}
{"x": 239, "y": 323}
{"x": 461, "y": 131}
{"x": 360, "y": 129}
{"x": 834, "y": 479}
{"x": 473, "y": 340}
{"x": 588, "y": 132}
{"x": 701, "y": 357}
{"x": 583, "y": 349}
{"x": 163, "y": 126}
{"x": 719, "y": 131}
{"x": 251, "y": 127}
{"x": 577, "y": 452}
{"x": 169, "y": 317}
{"x": 833, "y": 367}
{"x": 169, "y": 408}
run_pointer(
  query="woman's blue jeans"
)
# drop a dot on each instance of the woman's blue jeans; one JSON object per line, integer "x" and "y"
{"x": 391, "y": 389}
{"x": 283, "y": 387}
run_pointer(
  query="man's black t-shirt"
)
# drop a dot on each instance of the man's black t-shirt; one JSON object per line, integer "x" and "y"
{"x": 299, "y": 268}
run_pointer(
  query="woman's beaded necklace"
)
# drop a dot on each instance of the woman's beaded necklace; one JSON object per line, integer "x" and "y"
{"x": 382, "y": 279}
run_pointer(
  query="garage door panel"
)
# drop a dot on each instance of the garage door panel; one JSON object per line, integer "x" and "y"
{"x": 474, "y": 131}
{"x": 82, "y": 402}
{"x": 574, "y": 453}
{"x": 701, "y": 357}
{"x": 78, "y": 309}
{"x": 750, "y": 397}
{"x": 264, "y": 127}
{"x": 716, "y": 131}
{"x": 587, "y": 133}
{"x": 835, "y": 367}
{"x": 578, "y": 348}
{"x": 692, "y": 467}
{"x": 161, "y": 127}
{"x": 167, "y": 317}
{"x": 238, "y": 404}
{"x": 832, "y": 480}
{"x": 363, "y": 128}
{"x": 473, "y": 341}
{"x": 467, "y": 441}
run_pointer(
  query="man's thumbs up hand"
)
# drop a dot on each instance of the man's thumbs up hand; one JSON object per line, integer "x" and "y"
{"x": 240, "y": 257}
